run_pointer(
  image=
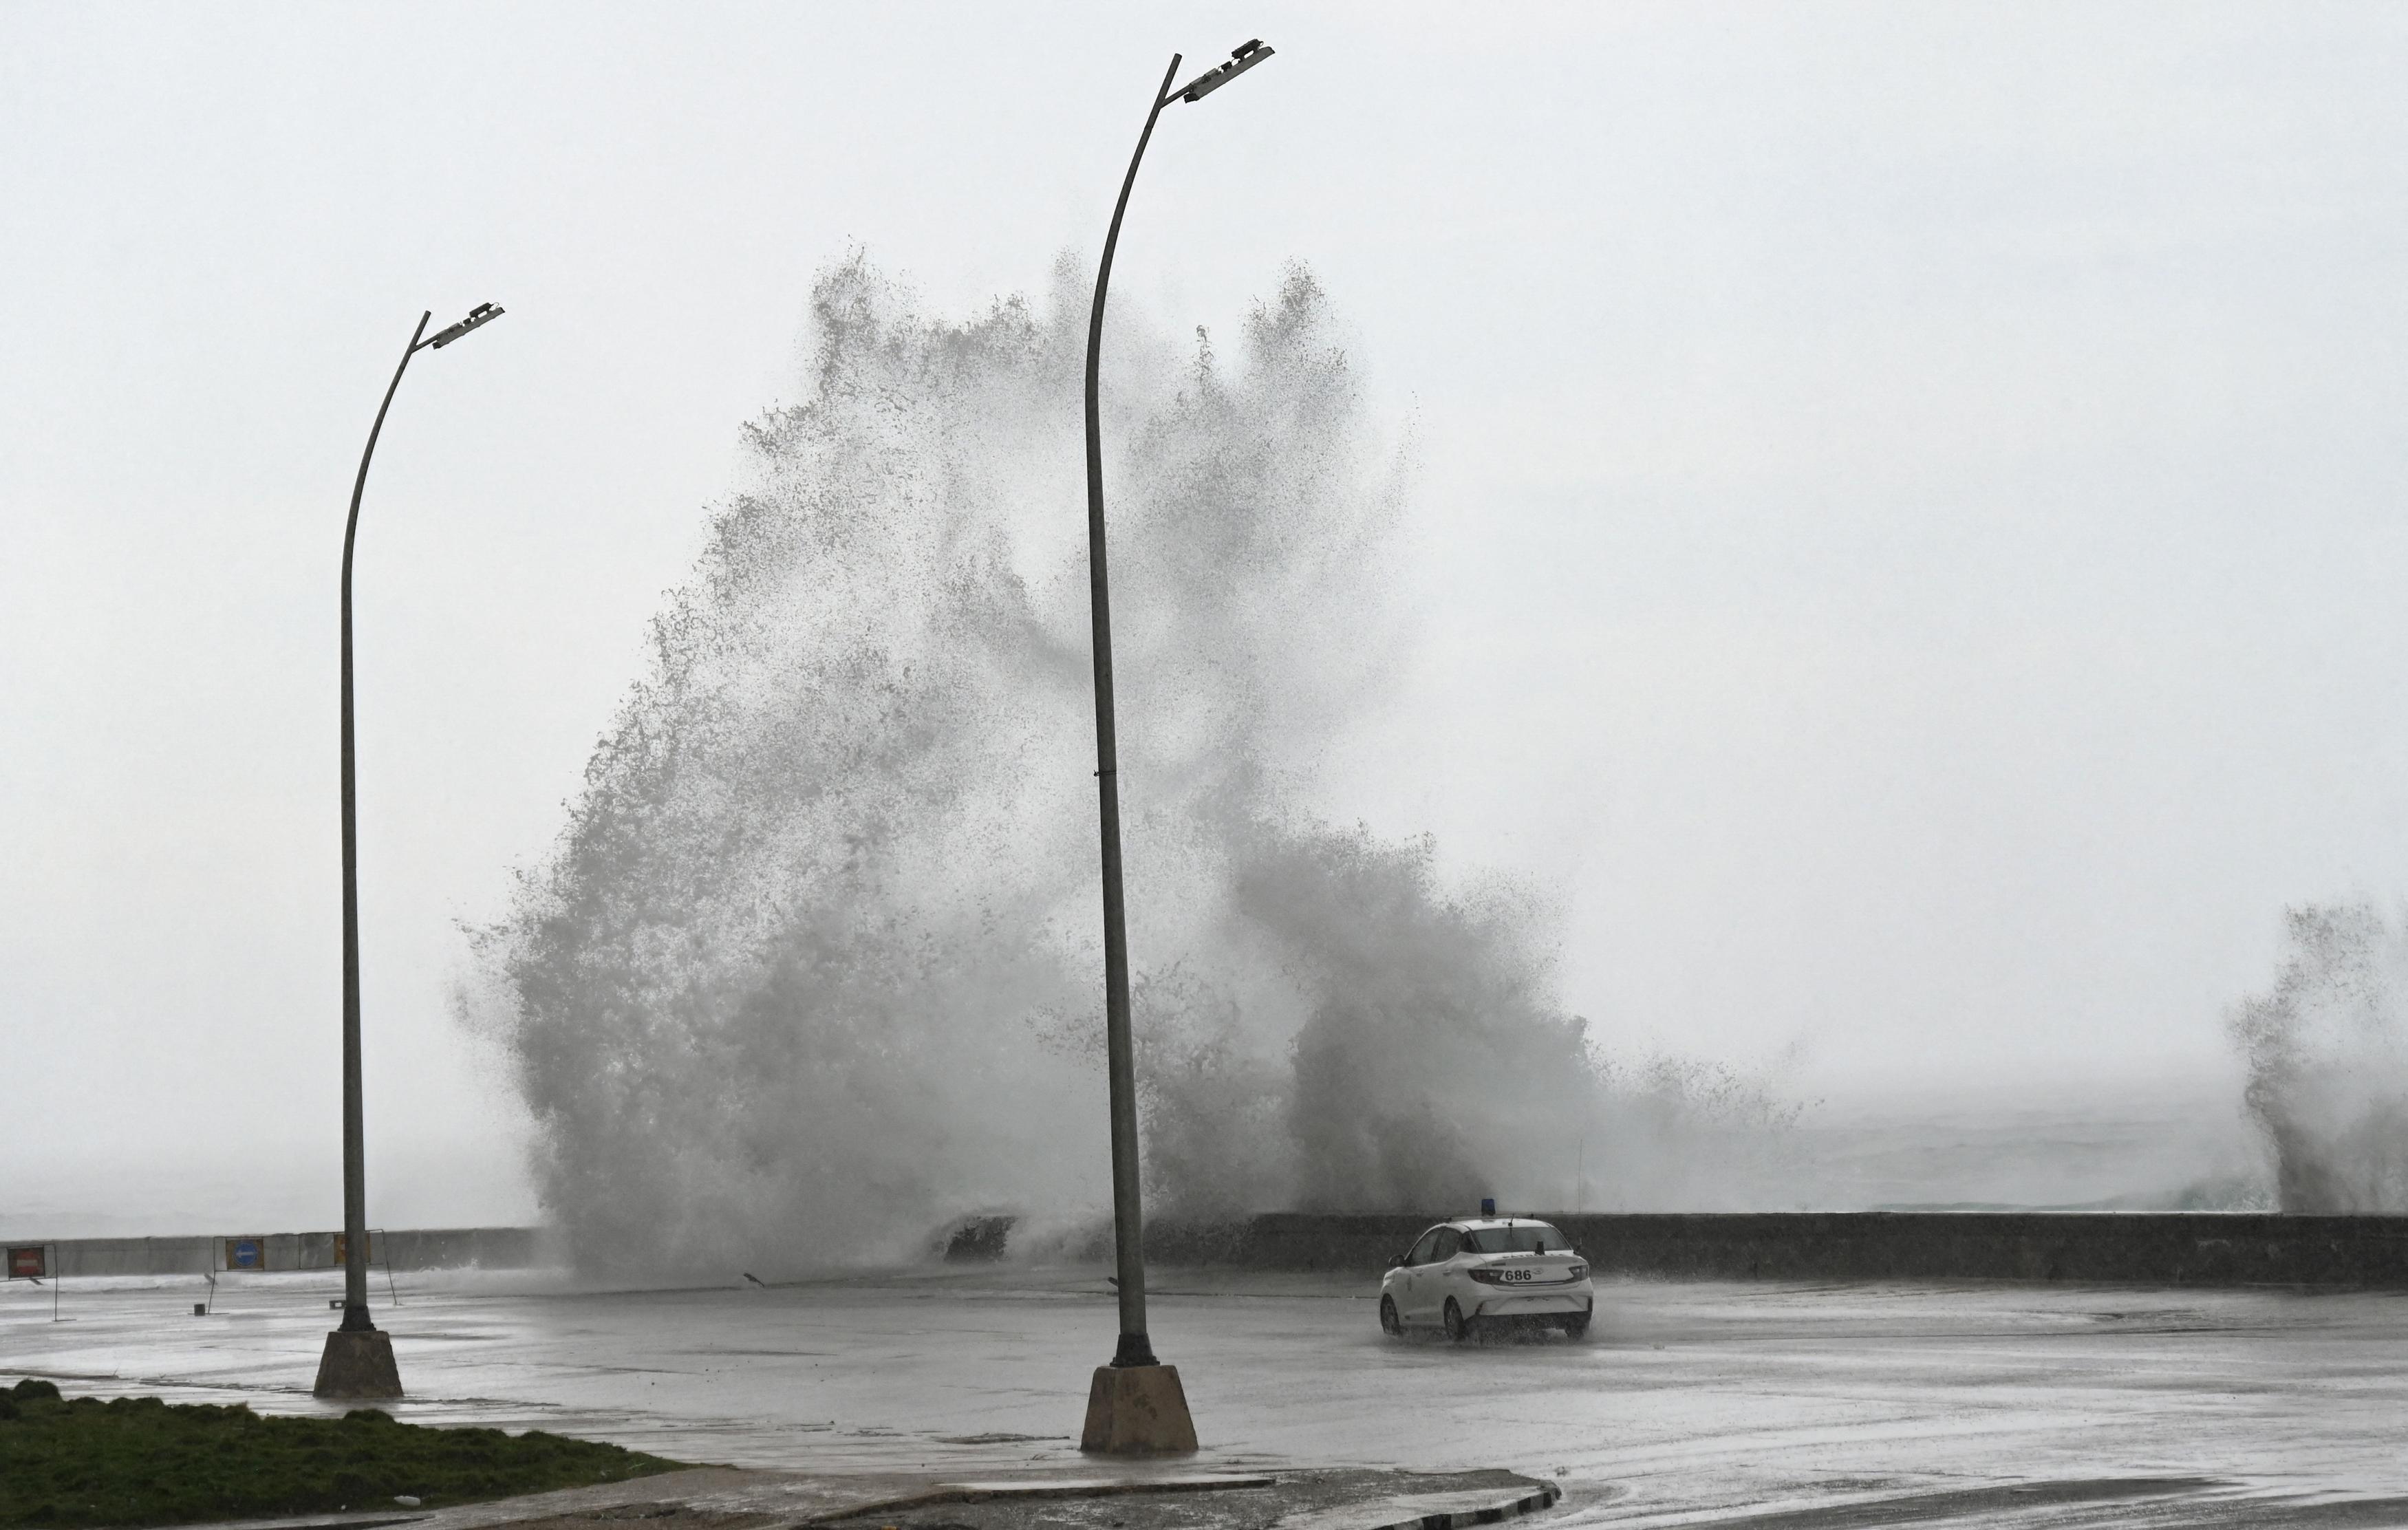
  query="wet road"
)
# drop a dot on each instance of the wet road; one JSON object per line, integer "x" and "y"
{"x": 1688, "y": 1402}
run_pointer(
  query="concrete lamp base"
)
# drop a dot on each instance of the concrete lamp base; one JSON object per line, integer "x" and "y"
{"x": 358, "y": 1363}
{"x": 1138, "y": 1411}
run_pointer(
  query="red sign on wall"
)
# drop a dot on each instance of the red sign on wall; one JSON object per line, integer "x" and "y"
{"x": 28, "y": 1264}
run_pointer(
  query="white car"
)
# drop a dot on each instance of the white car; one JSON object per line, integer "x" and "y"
{"x": 1488, "y": 1270}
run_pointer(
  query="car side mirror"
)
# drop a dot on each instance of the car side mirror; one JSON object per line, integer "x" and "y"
{"x": 1399, "y": 1262}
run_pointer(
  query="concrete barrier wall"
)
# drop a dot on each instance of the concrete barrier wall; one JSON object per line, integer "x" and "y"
{"x": 399, "y": 1249}
{"x": 91, "y": 1256}
{"x": 2160, "y": 1248}
{"x": 2173, "y": 1247}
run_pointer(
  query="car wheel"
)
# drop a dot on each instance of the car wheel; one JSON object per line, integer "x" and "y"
{"x": 1390, "y": 1323}
{"x": 1576, "y": 1325}
{"x": 1458, "y": 1327}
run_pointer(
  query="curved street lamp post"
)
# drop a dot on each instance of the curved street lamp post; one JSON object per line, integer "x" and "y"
{"x": 358, "y": 1358}
{"x": 1135, "y": 1404}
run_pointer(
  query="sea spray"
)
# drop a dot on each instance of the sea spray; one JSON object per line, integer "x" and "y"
{"x": 2327, "y": 1052}
{"x": 815, "y": 968}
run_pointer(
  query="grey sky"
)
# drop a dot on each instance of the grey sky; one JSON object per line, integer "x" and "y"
{"x": 1908, "y": 529}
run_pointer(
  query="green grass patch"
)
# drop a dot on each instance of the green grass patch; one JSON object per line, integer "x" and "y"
{"x": 139, "y": 1460}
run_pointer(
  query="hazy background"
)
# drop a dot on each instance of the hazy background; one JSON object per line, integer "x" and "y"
{"x": 1906, "y": 538}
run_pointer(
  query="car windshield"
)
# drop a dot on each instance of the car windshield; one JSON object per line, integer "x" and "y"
{"x": 1521, "y": 1237}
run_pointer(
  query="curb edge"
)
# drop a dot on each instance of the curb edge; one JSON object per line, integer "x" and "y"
{"x": 1529, "y": 1503}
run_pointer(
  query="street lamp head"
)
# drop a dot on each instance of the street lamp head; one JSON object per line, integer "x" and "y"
{"x": 1241, "y": 58}
{"x": 483, "y": 313}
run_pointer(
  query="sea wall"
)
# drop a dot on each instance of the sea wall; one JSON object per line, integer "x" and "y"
{"x": 2150, "y": 1247}
{"x": 399, "y": 1249}
{"x": 2164, "y": 1249}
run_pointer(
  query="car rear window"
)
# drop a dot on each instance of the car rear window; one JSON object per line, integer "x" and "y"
{"x": 1526, "y": 1237}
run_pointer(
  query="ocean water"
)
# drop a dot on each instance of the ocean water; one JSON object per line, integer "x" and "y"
{"x": 2135, "y": 1145}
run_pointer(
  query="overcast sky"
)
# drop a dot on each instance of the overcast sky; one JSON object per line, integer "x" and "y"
{"x": 1908, "y": 531}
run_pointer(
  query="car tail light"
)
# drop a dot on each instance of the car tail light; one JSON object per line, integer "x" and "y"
{"x": 1523, "y": 1275}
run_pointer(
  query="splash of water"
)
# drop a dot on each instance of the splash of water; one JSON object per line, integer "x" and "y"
{"x": 2326, "y": 1049}
{"x": 814, "y": 966}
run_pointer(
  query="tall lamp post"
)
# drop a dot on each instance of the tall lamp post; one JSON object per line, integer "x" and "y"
{"x": 1135, "y": 1404}
{"x": 358, "y": 1358}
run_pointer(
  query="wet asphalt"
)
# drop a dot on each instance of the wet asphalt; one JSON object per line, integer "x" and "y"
{"x": 1770, "y": 1405}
